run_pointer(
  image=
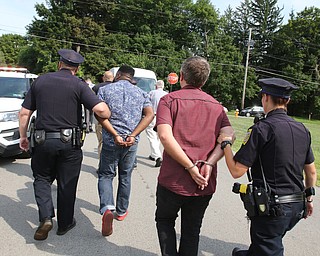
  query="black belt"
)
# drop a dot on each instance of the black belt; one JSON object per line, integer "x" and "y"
{"x": 294, "y": 198}
{"x": 53, "y": 135}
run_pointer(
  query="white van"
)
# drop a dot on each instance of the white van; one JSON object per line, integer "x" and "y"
{"x": 146, "y": 79}
{"x": 14, "y": 84}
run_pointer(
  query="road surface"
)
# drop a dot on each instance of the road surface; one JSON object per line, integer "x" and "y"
{"x": 224, "y": 225}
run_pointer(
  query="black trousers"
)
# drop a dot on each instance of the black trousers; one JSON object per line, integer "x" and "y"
{"x": 192, "y": 212}
{"x": 52, "y": 160}
{"x": 267, "y": 232}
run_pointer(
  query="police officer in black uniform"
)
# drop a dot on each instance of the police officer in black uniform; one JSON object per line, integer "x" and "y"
{"x": 278, "y": 150}
{"x": 57, "y": 138}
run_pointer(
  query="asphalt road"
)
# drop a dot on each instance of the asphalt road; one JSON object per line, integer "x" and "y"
{"x": 224, "y": 225}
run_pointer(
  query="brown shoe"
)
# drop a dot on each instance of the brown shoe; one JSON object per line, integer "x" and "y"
{"x": 107, "y": 220}
{"x": 43, "y": 229}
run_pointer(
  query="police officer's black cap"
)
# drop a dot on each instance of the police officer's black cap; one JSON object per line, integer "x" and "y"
{"x": 277, "y": 87}
{"x": 70, "y": 57}
{"x": 127, "y": 70}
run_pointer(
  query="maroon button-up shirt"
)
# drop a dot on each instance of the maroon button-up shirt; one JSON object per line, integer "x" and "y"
{"x": 196, "y": 119}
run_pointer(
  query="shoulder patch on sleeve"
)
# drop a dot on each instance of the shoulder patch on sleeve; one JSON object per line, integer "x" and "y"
{"x": 247, "y": 137}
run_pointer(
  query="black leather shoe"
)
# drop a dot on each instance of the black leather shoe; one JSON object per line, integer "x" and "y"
{"x": 158, "y": 162}
{"x": 62, "y": 231}
{"x": 238, "y": 252}
{"x": 43, "y": 229}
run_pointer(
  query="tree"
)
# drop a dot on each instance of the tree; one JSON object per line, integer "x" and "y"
{"x": 10, "y": 46}
{"x": 296, "y": 50}
{"x": 265, "y": 21}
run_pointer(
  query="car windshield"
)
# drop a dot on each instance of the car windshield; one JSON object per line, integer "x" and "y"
{"x": 146, "y": 84}
{"x": 12, "y": 87}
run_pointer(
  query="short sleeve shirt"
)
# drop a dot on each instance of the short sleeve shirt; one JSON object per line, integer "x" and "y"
{"x": 57, "y": 97}
{"x": 155, "y": 96}
{"x": 284, "y": 147}
{"x": 196, "y": 119}
{"x": 126, "y": 102}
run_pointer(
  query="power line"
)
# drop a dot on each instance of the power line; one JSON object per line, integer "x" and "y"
{"x": 287, "y": 77}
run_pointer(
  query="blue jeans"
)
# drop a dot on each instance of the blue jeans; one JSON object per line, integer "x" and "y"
{"x": 192, "y": 212}
{"x": 111, "y": 159}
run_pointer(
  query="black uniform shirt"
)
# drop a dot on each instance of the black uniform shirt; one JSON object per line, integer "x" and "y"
{"x": 98, "y": 86}
{"x": 57, "y": 97}
{"x": 284, "y": 146}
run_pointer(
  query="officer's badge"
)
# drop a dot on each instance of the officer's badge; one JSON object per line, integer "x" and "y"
{"x": 262, "y": 207}
{"x": 247, "y": 137}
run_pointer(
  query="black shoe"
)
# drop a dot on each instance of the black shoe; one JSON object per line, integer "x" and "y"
{"x": 62, "y": 231}
{"x": 158, "y": 162}
{"x": 238, "y": 252}
{"x": 43, "y": 229}
{"x": 151, "y": 158}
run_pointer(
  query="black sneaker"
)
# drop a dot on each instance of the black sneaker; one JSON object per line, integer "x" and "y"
{"x": 43, "y": 229}
{"x": 151, "y": 158}
{"x": 158, "y": 162}
{"x": 62, "y": 231}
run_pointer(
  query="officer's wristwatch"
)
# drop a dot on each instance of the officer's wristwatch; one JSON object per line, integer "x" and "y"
{"x": 225, "y": 143}
{"x": 310, "y": 191}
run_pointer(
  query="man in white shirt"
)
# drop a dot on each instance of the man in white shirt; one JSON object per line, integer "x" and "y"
{"x": 152, "y": 136}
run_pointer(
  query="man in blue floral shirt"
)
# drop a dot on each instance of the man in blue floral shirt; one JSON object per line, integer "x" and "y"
{"x": 131, "y": 113}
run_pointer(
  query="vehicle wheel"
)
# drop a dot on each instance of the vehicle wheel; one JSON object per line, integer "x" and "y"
{"x": 248, "y": 114}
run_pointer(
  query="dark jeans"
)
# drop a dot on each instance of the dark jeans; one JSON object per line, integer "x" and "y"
{"x": 192, "y": 212}
{"x": 52, "y": 160}
{"x": 267, "y": 232}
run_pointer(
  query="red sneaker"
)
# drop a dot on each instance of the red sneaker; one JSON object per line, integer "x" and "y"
{"x": 121, "y": 217}
{"x": 107, "y": 219}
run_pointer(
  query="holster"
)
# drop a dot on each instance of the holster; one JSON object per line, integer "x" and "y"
{"x": 77, "y": 137}
{"x": 248, "y": 201}
{"x": 262, "y": 199}
{"x": 65, "y": 135}
{"x": 256, "y": 201}
{"x": 39, "y": 136}
{"x": 31, "y": 134}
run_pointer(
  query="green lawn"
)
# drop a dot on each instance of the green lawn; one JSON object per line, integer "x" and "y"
{"x": 241, "y": 124}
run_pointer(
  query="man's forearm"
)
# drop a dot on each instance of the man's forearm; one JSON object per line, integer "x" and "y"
{"x": 107, "y": 125}
{"x": 145, "y": 121}
{"x": 216, "y": 155}
{"x": 143, "y": 124}
{"x": 311, "y": 175}
{"x": 24, "y": 117}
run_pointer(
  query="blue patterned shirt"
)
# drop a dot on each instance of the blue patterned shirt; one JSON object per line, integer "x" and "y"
{"x": 126, "y": 102}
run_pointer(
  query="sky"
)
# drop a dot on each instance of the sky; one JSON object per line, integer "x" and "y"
{"x": 15, "y": 15}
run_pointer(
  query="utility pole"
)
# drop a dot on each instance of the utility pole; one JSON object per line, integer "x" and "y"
{"x": 246, "y": 71}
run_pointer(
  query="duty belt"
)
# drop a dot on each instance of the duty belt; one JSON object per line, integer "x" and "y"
{"x": 53, "y": 135}
{"x": 294, "y": 198}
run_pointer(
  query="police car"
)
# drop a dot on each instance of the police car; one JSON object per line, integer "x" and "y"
{"x": 14, "y": 84}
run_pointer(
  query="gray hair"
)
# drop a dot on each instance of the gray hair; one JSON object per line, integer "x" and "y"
{"x": 160, "y": 84}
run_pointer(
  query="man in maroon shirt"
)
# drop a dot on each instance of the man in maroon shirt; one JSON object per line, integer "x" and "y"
{"x": 188, "y": 123}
